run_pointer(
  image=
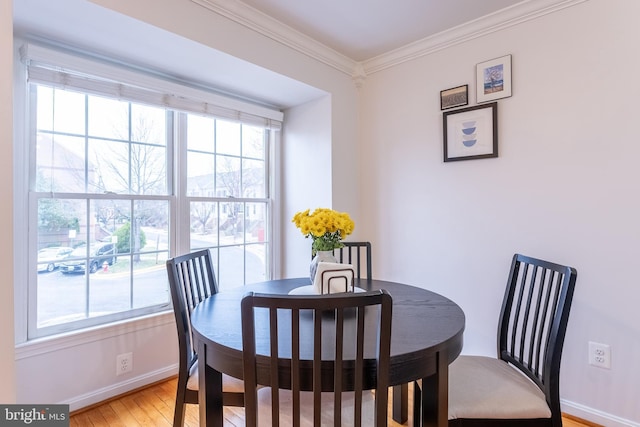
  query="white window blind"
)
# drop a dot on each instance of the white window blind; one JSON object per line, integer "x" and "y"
{"x": 101, "y": 78}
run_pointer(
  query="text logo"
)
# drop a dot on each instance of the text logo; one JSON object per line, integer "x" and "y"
{"x": 34, "y": 415}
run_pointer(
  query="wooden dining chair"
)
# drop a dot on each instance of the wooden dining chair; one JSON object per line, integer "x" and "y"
{"x": 357, "y": 254}
{"x": 192, "y": 279}
{"x": 521, "y": 387}
{"x": 317, "y": 344}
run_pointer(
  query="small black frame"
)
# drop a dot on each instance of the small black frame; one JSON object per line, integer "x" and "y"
{"x": 454, "y": 97}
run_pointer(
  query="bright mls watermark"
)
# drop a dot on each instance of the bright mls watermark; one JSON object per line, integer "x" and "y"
{"x": 34, "y": 415}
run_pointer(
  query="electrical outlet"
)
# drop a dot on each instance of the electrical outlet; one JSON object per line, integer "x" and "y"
{"x": 600, "y": 355}
{"x": 124, "y": 363}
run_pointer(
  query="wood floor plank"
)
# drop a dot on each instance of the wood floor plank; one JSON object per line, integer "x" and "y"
{"x": 167, "y": 391}
{"x": 81, "y": 420}
{"x": 112, "y": 419}
{"x": 140, "y": 415}
{"x": 123, "y": 413}
{"x": 153, "y": 406}
{"x": 156, "y": 417}
{"x": 155, "y": 401}
{"x": 96, "y": 418}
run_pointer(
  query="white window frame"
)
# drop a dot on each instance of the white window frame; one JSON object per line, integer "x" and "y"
{"x": 45, "y": 63}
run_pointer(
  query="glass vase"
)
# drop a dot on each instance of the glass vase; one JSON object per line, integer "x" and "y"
{"x": 321, "y": 256}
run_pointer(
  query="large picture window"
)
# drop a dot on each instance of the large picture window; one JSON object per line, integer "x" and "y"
{"x": 116, "y": 186}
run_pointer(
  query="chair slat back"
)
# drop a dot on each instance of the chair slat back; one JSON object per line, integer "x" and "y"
{"x": 359, "y": 255}
{"x": 534, "y": 317}
{"x": 191, "y": 280}
{"x": 335, "y": 320}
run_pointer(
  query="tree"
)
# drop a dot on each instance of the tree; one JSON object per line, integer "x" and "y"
{"x": 203, "y": 212}
{"x": 124, "y": 239}
{"x": 238, "y": 182}
{"x": 136, "y": 164}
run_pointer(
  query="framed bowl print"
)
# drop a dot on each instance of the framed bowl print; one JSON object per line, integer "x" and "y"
{"x": 493, "y": 79}
{"x": 471, "y": 133}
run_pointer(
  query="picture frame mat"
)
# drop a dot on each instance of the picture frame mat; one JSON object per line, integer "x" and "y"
{"x": 484, "y": 94}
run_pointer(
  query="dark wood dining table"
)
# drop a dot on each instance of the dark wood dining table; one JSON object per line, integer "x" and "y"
{"x": 426, "y": 336}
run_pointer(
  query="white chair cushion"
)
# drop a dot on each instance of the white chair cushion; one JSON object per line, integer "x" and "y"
{"x": 229, "y": 383}
{"x": 306, "y": 408}
{"x": 485, "y": 387}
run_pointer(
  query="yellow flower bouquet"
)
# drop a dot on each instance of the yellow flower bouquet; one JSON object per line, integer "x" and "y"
{"x": 326, "y": 227}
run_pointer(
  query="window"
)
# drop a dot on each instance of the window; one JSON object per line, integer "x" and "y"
{"x": 229, "y": 160}
{"x": 118, "y": 184}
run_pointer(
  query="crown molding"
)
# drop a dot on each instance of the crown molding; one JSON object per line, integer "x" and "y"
{"x": 505, "y": 18}
{"x": 255, "y": 20}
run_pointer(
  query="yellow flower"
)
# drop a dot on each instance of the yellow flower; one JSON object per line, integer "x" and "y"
{"x": 325, "y": 226}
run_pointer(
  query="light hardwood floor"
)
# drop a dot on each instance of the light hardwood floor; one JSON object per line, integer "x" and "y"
{"x": 153, "y": 406}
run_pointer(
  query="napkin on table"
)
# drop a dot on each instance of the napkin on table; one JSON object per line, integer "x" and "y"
{"x": 333, "y": 277}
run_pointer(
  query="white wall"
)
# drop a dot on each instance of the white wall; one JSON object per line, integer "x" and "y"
{"x": 80, "y": 369}
{"x": 7, "y": 354}
{"x": 321, "y": 165}
{"x": 565, "y": 187}
{"x": 306, "y": 176}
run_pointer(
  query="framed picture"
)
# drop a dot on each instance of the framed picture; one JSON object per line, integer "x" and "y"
{"x": 493, "y": 79}
{"x": 454, "y": 97}
{"x": 471, "y": 133}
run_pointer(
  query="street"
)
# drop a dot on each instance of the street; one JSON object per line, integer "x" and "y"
{"x": 67, "y": 297}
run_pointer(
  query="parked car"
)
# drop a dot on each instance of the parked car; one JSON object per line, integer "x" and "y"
{"x": 99, "y": 253}
{"x": 49, "y": 258}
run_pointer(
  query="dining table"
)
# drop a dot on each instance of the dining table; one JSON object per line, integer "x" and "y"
{"x": 426, "y": 336}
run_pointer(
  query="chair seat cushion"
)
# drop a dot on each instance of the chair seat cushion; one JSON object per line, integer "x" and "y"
{"x": 489, "y": 388}
{"x": 229, "y": 383}
{"x": 306, "y": 408}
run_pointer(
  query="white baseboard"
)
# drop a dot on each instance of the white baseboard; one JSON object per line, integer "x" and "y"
{"x": 111, "y": 391}
{"x": 595, "y": 416}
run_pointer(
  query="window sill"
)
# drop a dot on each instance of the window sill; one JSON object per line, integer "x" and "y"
{"x": 70, "y": 339}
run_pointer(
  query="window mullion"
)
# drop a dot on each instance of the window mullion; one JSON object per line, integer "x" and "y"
{"x": 181, "y": 220}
